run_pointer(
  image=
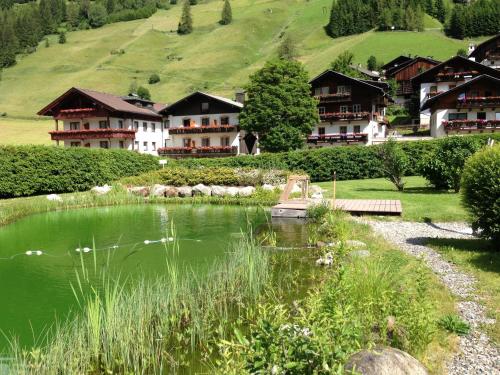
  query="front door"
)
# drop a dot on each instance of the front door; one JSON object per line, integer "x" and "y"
{"x": 250, "y": 140}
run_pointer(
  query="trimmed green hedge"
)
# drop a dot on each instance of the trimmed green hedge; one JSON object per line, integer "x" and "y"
{"x": 357, "y": 162}
{"x": 32, "y": 170}
{"x": 225, "y": 176}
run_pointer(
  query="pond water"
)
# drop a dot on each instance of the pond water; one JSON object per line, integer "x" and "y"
{"x": 35, "y": 289}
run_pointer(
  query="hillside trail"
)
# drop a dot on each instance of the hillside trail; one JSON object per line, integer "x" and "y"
{"x": 478, "y": 354}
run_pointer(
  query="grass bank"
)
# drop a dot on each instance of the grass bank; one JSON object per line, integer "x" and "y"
{"x": 16, "y": 208}
{"x": 420, "y": 201}
{"x": 480, "y": 259}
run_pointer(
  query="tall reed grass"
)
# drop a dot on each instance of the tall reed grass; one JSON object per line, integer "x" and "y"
{"x": 151, "y": 327}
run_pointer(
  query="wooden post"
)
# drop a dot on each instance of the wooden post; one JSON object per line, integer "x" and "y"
{"x": 334, "y": 189}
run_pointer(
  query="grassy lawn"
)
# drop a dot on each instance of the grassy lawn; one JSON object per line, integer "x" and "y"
{"x": 420, "y": 202}
{"x": 15, "y": 132}
{"x": 213, "y": 58}
{"x": 479, "y": 258}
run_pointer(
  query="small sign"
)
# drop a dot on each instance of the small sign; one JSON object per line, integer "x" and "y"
{"x": 163, "y": 161}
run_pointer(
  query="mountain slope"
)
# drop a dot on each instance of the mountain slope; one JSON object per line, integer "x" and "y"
{"x": 214, "y": 58}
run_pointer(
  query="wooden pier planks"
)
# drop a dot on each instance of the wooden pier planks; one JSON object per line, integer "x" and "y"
{"x": 298, "y": 208}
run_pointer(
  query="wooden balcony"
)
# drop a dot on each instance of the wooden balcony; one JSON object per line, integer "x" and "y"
{"x": 198, "y": 152}
{"x": 61, "y": 135}
{"x": 433, "y": 94}
{"x": 204, "y": 129}
{"x": 338, "y": 137}
{"x": 66, "y": 114}
{"x": 471, "y": 126}
{"x": 334, "y": 98}
{"x": 455, "y": 76}
{"x": 345, "y": 116}
{"x": 479, "y": 101}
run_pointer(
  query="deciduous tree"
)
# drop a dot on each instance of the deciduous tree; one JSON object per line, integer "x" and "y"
{"x": 279, "y": 107}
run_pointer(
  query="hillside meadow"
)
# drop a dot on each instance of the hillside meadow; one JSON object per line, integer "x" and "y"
{"x": 213, "y": 58}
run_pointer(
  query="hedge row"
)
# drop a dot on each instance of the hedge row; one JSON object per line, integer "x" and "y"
{"x": 32, "y": 170}
{"x": 350, "y": 163}
{"x": 224, "y": 176}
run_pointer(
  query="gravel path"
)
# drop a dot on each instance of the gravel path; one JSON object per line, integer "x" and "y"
{"x": 477, "y": 354}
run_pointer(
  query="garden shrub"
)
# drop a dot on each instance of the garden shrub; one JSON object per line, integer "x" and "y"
{"x": 481, "y": 191}
{"x": 32, "y": 170}
{"x": 443, "y": 167}
{"x": 394, "y": 162}
{"x": 357, "y": 162}
{"x": 225, "y": 176}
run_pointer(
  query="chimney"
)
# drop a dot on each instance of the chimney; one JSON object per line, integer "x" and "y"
{"x": 240, "y": 96}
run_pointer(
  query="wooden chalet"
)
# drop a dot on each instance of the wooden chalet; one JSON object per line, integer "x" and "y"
{"x": 206, "y": 125}
{"x": 471, "y": 107}
{"x": 351, "y": 111}
{"x": 445, "y": 76}
{"x": 488, "y": 52}
{"x": 94, "y": 119}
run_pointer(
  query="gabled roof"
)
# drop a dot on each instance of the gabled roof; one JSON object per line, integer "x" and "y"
{"x": 460, "y": 88}
{"x": 413, "y": 61}
{"x": 364, "y": 71}
{"x": 428, "y": 74}
{"x": 480, "y": 50}
{"x": 109, "y": 101}
{"x": 397, "y": 62}
{"x": 233, "y": 103}
{"x": 368, "y": 84}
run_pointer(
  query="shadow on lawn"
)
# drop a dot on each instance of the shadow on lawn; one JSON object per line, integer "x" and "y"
{"x": 484, "y": 254}
{"x": 411, "y": 190}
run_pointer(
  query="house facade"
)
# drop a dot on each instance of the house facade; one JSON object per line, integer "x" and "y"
{"x": 487, "y": 53}
{"x": 87, "y": 118}
{"x": 351, "y": 111}
{"x": 403, "y": 75}
{"x": 445, "y": 76}
{"x": 471, "y": 107}
{"x": 205, "y": 125}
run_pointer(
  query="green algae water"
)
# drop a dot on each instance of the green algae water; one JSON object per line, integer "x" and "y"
{"x": 35, "y": 290}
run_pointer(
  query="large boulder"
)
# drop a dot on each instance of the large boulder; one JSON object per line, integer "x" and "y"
{"x": 54, "y": 198}
{"x": 232, "y": 191}
{"x": 268, "y": 187}
{"x": 384, "y": 361}
{"x": 201, "y": 189}
{"x": 171, "y": 192}
{"x": 218, "y": 191}
{"x": 159, "y": 190}
{"x": 101, "y": 190}
{"x": 142, "y": 191}
{"x": 185, "y": 191}
{"x": 246, "y": 191}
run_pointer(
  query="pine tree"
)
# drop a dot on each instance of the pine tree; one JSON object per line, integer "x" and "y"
{"x": 110, "y": 6}
{"x": 193, "y": 2}
{"x": 62, "y": 37}
{"x": 186, "y": 22}
{"x": 287, "y": 49}
{"x": 372, "y": 63}
{"x": 227, "y": 14}
{"x": 429, "y": 7}
{"x": 440, "y": 11}
{"x": 48, "y": 22}
{"x": 8, "y": 41}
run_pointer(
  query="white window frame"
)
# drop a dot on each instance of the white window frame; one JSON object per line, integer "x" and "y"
{"x": 145, "y": 146}
{"x": 344, "y": 108}
{"x": 356, "y": 108}
{"x": 321, "y": 110}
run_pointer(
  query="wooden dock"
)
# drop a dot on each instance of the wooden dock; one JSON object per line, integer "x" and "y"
{"x": 298, "y": 208}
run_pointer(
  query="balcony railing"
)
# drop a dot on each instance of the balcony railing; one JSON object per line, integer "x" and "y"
{"x": 204, "y": 129}
{"x": 60, "y": 135}
{"x": 197, "y": 152}
{"x": 345, "y": 116}
{"x": 338, "y": 137}
{"x": 453, "y": 76}
{"x": 471, "y": 125}
{"x": 481, "y": 101}
{"x": 334, "y": 98}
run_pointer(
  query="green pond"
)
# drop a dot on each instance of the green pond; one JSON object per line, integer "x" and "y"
{"x": 36, "y": 289}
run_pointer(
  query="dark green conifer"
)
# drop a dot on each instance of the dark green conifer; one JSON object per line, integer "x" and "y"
{"x": 227, "y": 14}
{"x": 186, "y": 22}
